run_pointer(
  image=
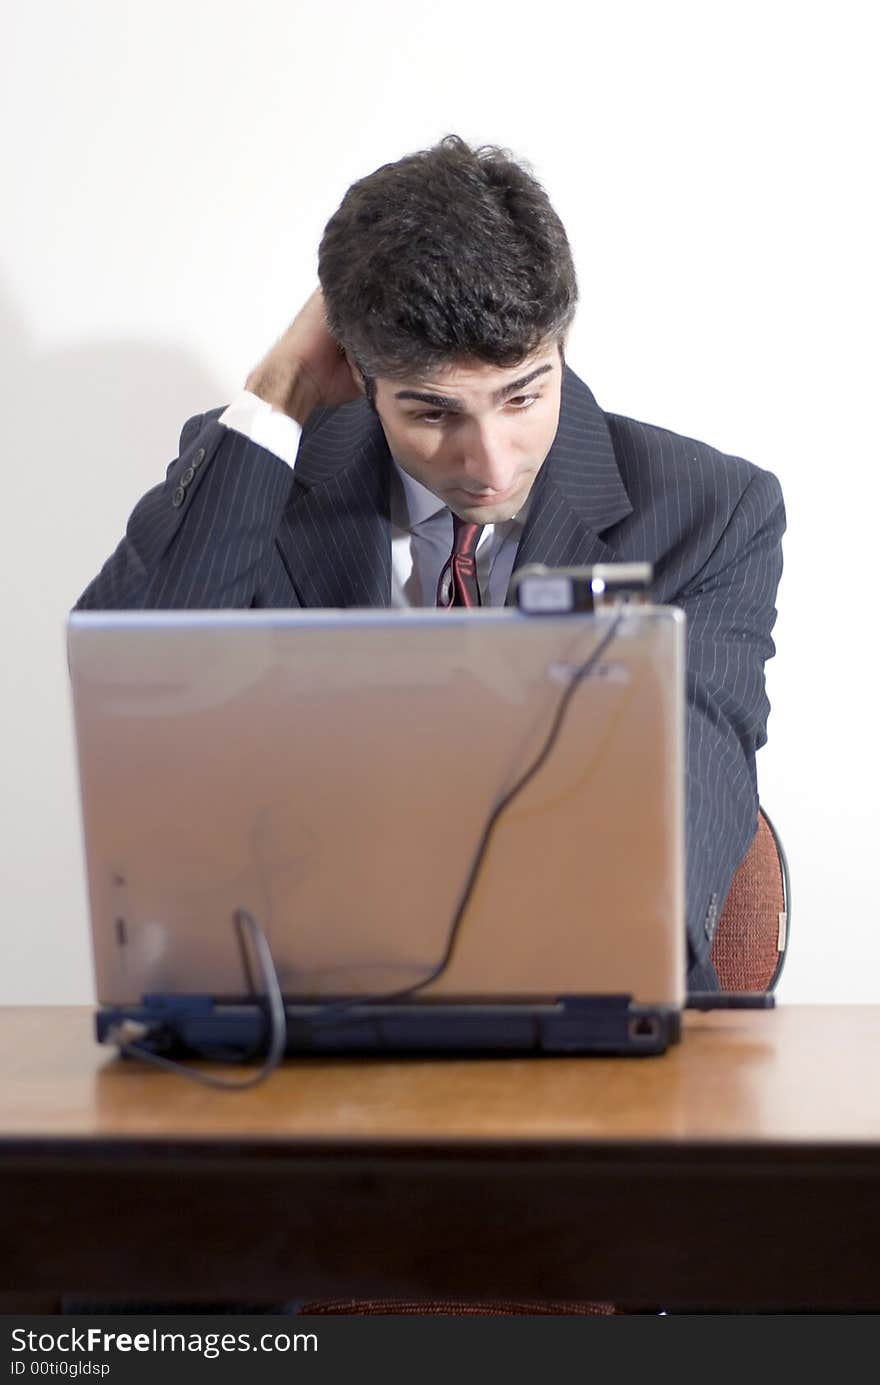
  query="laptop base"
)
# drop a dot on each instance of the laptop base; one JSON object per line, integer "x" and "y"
{"x": 237, "y": 1030}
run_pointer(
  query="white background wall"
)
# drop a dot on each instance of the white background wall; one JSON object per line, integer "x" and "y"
{"x": 167, "y": 171}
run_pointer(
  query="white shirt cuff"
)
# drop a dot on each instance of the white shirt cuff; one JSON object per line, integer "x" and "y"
{"x": 268, "y": 427}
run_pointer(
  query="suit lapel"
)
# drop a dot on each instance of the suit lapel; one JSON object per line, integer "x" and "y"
{"x": 578, "y": 493}
{"x": 335, "y": 537}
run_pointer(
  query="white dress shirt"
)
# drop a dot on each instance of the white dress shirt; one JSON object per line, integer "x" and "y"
{"x": 421, "y": 525}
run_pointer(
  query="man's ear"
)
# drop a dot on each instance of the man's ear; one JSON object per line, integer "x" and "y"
{"x": 365, "y": 384}
{"x": 356, "y": 374}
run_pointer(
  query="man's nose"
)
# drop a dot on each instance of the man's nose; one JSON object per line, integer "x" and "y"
{"x": 488, "y": 459}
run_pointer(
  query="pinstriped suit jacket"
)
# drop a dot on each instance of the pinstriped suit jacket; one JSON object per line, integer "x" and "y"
{"x": 231, "y": 526}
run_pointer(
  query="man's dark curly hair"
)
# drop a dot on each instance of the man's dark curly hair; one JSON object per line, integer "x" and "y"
{"x": 448, "y": 253}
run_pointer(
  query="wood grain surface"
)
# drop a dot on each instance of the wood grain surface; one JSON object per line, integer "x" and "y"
{"x": 797, "y": 1073}
{"x": 740, "y": 1170}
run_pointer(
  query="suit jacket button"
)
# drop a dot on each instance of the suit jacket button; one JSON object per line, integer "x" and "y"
{"x": 198, "y": 459}
{"x": 187, "y": 476}
{"x": 178, "y": 497}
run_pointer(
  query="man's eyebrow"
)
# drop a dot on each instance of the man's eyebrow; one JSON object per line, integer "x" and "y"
{"x": 438, "y": 401}
{"x": 447, "y": 401}
{"x": 522, "y": 381}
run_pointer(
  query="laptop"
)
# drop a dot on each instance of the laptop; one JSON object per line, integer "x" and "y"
{"x": 454, "y": 831}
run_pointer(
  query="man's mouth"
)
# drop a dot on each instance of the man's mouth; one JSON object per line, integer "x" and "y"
{"x": 485, "y": 498}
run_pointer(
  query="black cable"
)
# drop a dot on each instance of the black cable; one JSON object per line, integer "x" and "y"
{"x": 277, "y": 1021}
{"x": 340, "y": 1009}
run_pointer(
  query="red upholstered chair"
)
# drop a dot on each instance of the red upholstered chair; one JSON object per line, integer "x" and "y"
{"x": 752, "y": 935}
{"x": 367, "y": 1307}
{"x": 748, "y": 953}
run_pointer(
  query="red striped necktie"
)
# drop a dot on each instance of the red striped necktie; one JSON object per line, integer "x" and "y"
{"x": 458, "y": 580}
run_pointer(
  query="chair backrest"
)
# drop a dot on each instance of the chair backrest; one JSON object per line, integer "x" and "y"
{"x": 752, "y": 936}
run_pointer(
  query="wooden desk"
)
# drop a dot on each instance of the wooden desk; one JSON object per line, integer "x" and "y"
{"x": 740, "y": 1169}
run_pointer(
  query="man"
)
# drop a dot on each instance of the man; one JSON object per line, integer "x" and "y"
{"x": 421, "y": 397}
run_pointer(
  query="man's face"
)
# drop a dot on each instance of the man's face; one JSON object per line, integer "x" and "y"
{"x": 474, "y": 434}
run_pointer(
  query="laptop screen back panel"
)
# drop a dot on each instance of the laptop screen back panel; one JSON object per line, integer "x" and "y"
{"x": 333, "y": 773}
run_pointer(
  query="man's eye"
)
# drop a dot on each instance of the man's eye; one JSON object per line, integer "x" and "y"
{"x": 434, "y": 416}
{"x": 522, "y": 401}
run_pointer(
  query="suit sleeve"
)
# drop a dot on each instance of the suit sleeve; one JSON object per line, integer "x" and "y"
{"x": 203, "y": 537}
{"x": 730, "y": 610}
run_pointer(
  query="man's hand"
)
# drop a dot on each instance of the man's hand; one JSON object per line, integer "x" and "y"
{"x": 306, "y": 369}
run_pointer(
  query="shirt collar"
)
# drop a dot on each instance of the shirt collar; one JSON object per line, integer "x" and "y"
{"x": 411, "y": 502}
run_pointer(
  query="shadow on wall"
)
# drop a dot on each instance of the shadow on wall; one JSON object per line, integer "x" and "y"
{"x": 89, "y": 428}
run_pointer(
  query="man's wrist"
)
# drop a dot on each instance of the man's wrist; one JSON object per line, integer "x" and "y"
{"x": 272, "y": 429}
{"x": 290, "y": 389}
